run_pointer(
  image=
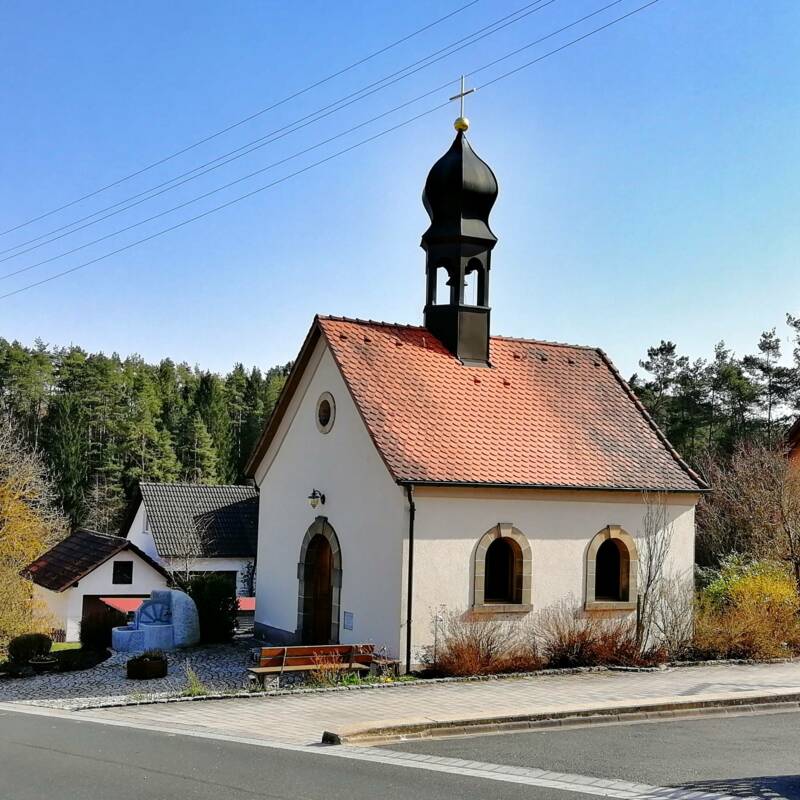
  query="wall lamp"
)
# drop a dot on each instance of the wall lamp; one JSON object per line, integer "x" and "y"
{"x": 315, "y": 498}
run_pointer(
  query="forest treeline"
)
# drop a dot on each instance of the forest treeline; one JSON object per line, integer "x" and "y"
{"x": 708, "y": 406}
{"x": 103, "y": 422}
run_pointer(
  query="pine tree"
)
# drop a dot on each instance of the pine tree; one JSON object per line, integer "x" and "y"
{"x": 198, "y": 454}
{"x": 210, "y": 402}
{"x": 66, "y": 445}
{"x": 773, "y": 382}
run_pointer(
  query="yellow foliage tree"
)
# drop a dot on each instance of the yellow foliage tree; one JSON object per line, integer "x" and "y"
{"x": 30, "y": 524}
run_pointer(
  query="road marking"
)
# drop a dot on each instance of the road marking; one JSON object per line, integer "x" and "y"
{"x": 528, "y": 776}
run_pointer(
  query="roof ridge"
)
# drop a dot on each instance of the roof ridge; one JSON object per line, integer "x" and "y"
{"x": 406, "y": 326}
{"x": 375, "y": 322}
{"x": 98, "y": 533}
{"x": 197, "y": 485}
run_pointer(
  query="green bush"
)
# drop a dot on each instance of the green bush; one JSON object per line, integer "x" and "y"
{"x": 70, "y": 660}
{"x": 96, "y": 628}
{"x": 737, "y": 578}
{"x": 23, "y": 648}
{"x": 215, "y": 598}
{"x": 748, "y": 610}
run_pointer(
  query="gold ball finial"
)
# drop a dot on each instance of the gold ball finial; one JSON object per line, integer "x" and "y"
{"x": 461, "y": 124}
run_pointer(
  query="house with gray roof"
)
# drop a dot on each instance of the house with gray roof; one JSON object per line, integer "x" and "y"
{"x": 193, "y": 528}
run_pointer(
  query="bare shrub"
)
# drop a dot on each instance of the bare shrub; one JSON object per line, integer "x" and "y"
{"x": 327, "y": 670}
{"x": 569, "y": 638}
{"x": 654, "y": 546}
{"x": 673, "y": 617}
{"x": 754, "y": 508}
{"x": 472, "y": 644}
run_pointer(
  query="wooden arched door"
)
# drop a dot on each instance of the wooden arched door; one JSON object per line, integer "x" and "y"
{"x": 318, "y": 580}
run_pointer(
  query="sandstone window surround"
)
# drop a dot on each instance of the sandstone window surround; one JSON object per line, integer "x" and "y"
{"x": 618, "y": 591}
{"x": 519, "y": 590}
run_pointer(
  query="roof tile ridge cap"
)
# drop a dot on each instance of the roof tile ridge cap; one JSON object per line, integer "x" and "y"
{"x": 201, "y": 485}
{"x": 92, "y": 532}
{"x": 372, "y": 322}
{"x": 652, "y": 423}
{"x": 544, "y": 342}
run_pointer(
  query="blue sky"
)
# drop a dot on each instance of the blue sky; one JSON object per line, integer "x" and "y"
{"x": 648, "y": 175}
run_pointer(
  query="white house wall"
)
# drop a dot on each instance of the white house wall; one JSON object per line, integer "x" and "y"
{"x": 448, "y": 528}
{"x": 67, "y": 606}
{"x": 139, "y": 535}
{"x": 363, "y": 505}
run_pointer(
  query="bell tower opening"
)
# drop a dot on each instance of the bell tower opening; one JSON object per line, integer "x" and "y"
{"x": 459, "y": 194}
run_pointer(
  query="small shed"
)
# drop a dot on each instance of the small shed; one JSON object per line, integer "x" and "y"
{"x": 75, "y": 578}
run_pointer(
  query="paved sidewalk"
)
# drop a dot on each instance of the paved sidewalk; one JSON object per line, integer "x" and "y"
{"x": 301, "y": 719}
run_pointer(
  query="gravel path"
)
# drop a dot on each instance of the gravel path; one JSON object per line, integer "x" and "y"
{"x": 219, "y": 667}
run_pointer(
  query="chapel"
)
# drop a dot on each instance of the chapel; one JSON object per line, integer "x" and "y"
{"x": 414, "y": 470}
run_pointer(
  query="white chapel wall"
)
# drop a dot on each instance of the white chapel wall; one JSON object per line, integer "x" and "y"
{"x": 363, "y": 505}
{"x": 559, "y": 531}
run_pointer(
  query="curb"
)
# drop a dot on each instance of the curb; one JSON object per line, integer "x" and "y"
{"x": 385, "y": 733}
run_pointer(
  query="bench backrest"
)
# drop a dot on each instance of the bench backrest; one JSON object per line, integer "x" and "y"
{"x": 316, "y": 655}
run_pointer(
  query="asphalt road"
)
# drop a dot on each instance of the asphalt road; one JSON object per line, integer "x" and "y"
{"x": 43, "y": 756}
{"x": 747, "y": 755}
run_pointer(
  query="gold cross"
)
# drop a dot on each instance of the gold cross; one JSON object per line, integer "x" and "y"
{"x": 462, "y": 123}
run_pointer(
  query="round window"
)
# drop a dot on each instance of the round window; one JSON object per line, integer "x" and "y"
{"x": 326, "y": 412}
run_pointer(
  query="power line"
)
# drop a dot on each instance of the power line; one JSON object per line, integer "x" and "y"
{"x": 196, "y": 199}
{"x": 302, "y": 152}
{"x": 281, "y": 132}
{"x": 249, "y": 118}
{"x": 308, "y": 167}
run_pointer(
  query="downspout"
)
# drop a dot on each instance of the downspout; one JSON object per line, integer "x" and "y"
{"x": 412, "y": 512}
{"x": 252, "y": 482}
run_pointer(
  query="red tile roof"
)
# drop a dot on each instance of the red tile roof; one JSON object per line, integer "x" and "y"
{"x": 544, "y": 414}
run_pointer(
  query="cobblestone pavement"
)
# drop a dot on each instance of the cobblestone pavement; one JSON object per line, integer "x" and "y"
{"x": 220, "y": 667}
{"x": 301, "y": 718}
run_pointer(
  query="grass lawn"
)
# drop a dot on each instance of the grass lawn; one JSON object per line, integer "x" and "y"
{"x": 58, "y": 646}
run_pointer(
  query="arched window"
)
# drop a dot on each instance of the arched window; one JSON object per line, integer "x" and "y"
{"x": 608, "y": 579}
{"x": 442, "y": 285}
{"x": 475, "y": 288}
{"x": 611, "y": 570}
{"x": 471, "y": 289}
{"x": 502, "y": 557}
{"x": 502, "y": 571}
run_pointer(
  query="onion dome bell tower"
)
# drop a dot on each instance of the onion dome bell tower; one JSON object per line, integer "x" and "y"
{"x": 459, "y": 194}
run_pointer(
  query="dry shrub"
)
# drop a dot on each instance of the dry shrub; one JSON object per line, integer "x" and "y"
{"x": 747, "y": 629}
{"x": 569, "y": 638}
{"x": 326, "y": 671}
{"x": 673, "y": 618}
{"x": 472, "y": 644}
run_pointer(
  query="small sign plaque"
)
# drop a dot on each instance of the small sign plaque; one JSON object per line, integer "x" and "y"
{"x": 348, "y": 620}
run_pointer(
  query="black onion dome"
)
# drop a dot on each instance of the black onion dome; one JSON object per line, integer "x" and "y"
{"x": 459, "y": 194}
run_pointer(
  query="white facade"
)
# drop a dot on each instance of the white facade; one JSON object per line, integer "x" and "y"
{"x": 66, "y": 607}
{"x": 370, "y": 514}
{"x": 363, "y": 505}
{"x": 558, "y": 526}
{"x": 140, "y": 535}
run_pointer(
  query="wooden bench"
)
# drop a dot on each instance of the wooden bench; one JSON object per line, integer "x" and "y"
{"x": 305, "y": 658}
